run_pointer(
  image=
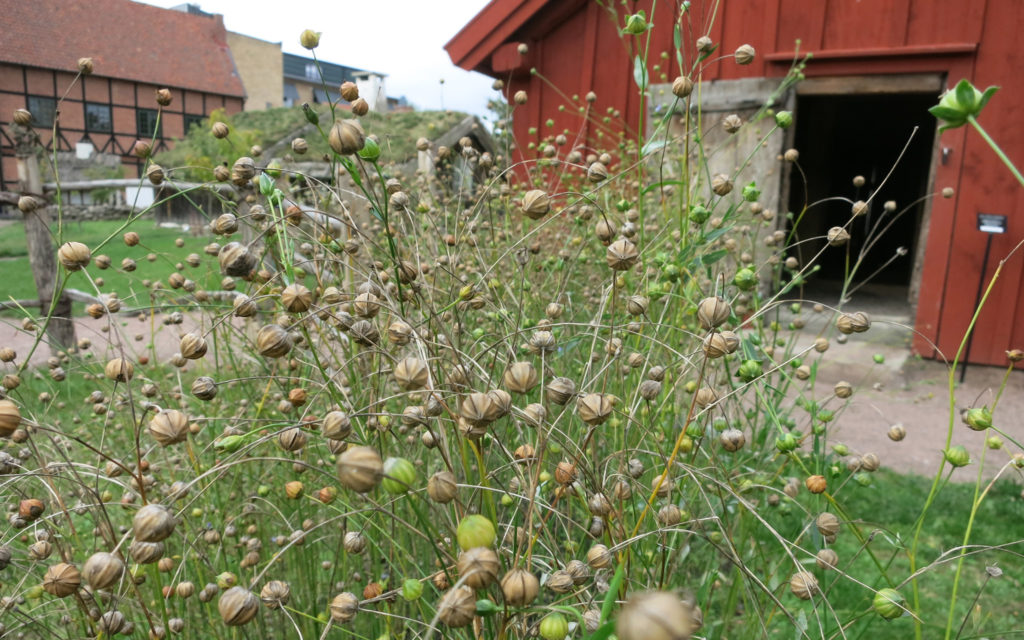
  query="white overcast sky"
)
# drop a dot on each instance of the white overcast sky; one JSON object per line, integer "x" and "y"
{"x": 402, "y": 38}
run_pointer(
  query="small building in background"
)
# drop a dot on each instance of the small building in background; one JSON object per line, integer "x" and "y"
{"x": 136, "y": 49}
{"x": 261, "y": 67}
{"x": 861, "y": 111}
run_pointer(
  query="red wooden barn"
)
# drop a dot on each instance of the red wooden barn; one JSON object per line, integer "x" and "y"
{"x": 877, "y": 65}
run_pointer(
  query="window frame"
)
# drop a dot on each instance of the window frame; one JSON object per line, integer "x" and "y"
{"x": 90, "y": 127}
{"x": 144, "y": 133}
{"x": 190, "y": 119}
{"x": 52, "y": 111}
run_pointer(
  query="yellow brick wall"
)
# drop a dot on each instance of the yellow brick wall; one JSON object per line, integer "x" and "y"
{"x": 260, "y": 65}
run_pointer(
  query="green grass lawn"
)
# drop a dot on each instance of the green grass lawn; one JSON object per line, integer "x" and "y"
{"x": 104, "y": 238}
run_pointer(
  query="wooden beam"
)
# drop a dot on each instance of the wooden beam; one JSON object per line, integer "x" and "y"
{"x": 868, "y": 85}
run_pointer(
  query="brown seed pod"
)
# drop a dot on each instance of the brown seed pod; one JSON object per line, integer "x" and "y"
{"x": 478, "y": 567}
{"x": 296, "y": 298}
{"x": 168, "y": 427}
{"x": 442, "y": 487}
{"x": 565, "y": 473}
{"x": 31, "y": 508}
{"x": 560, "y": 390}
{"x": 360, "y": 469}
{"x": 521, "y": 377}
{"x": 732, "y": 439}
{"x": 153, "y": 523}
{"x": 870, "y": 462}
{"x": 519, "y": 587}
{"x": 163, "y": 97}
{"x": 837, "y": 236}
{"x": 803, "y": 584}
{"x": 599, "y": 557}
{"x": 364, "y": 333}
{"x": 236, "y": 260}
{"x": 816, "y": 484}
{"x": 346, "y": 137}
{"x": 119, "y": 369}
{"x": 343, "y": 607}
{"x": 155, "y": 174}
{"x": 273, "y": 341}
{"x": 621, "y": 255}
{"x": 713, "y": 312}
{"x": 243, "y": 171}
{"x": 22, "y": 117}
{"x": 74, "y": 255}
{"x": 897, "y": 432}
{"x": 594, "y": 408}
{"x": 360, "y": 107}
{"x": 655, "y": 615}
{"x": 354, "y": 542}
{"x": 220, "y": 130}
{"x": 62, "y": 580}
{"x": 204, "y": 388}
{"x": 721, "y": 185}
{"x": 597, "y": 172}
{"x": 843, "y": 389}
{"x": 705, "y": 397}
{"x": 192, "y": 346}
{"x": 827, "y": 524}
{"x": 857, "y": 322}
{"x": 560, "y": 581}
{"x": 112, "y": 623}
{"x": 744, "y": 54}
{"x": 292, "y": 439}
{"x": 10, "y": 418}
{"x": 717, "y": 344}
{"x": 411, "y": 374}
{"x": 349, "y": 91}
{"x": 457, "y": 607}
{"x": 275, "y": 594}
{"x": 826, "y": 559}
{"x": 337, "y": 425}
{"x": 237, "y": 606}
{"x": 536, "y": 204}
{"x": 478, "y": 409}
{"x": 682, "y": 86}
{"x": 501, "y": 404}
{"x": 102, "y": 570}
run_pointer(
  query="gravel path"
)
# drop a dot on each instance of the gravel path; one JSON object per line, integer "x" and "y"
{"x": 905, "y": 389}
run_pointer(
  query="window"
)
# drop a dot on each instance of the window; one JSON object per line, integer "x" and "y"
{"x": 147, "y": 123}
{"x": 43, "y": 110}
{"x": 97, "y": 118}
{"x": 311, "y": 71}
{"x": 192, "y": 120}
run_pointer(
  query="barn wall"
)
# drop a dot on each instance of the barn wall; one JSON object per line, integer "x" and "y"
{"x": 575, "y": 48}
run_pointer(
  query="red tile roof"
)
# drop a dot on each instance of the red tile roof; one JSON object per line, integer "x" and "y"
{"x": 125, "y": 39}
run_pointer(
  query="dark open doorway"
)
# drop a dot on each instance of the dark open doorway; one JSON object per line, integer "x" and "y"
{"x": 840, "y": 137}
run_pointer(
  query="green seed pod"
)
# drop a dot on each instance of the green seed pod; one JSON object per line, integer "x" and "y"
{"x": 554, "y": 626}
{"x": 888, "y": 603}
{"x": 957, "y": 456}
{"x": 475, "y": 531}
{"x": 978, "y": 418}
{"x": 412, "y": 589}
{"x": 399, "y": 475}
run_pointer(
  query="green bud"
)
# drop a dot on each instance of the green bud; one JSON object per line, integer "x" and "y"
{"x": 485, "y": 607}
{"x": 888, "y": 603}
{"x": 273, "y": 169}
{"x": 863, "y": 479}
{"x": 994, "y": 442}
{"x": 412, "y": 589}
{"x": 749, "y": 370}
{"x": 311, "y": 116}
{"x": 309, "y": 39}
{"x": 229, "y": 444}
{"x": 826, "y": 415}
{"x": 957, "y": 456}
{"x": 978, "y": 418}
{"x": 554, "y": 626}
{"x": 226, "y": 580}
{"x": 786, "y": 442}
{"x": 784, "y": 119}
{"x": 399, "y": 475}
{"x": 475, "y": 531}
{"x": 841, "y": 449}
{"x": 699, "y": 214}
{"x": 745, "y": 279}
{"x": 370, "y": 151}
{"x": 960, "y": 103}
{"x": 751, "y": 193}
{"x": 636, "y": 24}
{"x": 878, "y": 358}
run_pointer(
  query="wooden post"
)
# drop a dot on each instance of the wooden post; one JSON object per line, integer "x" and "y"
{"x": 42, "y": 255}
